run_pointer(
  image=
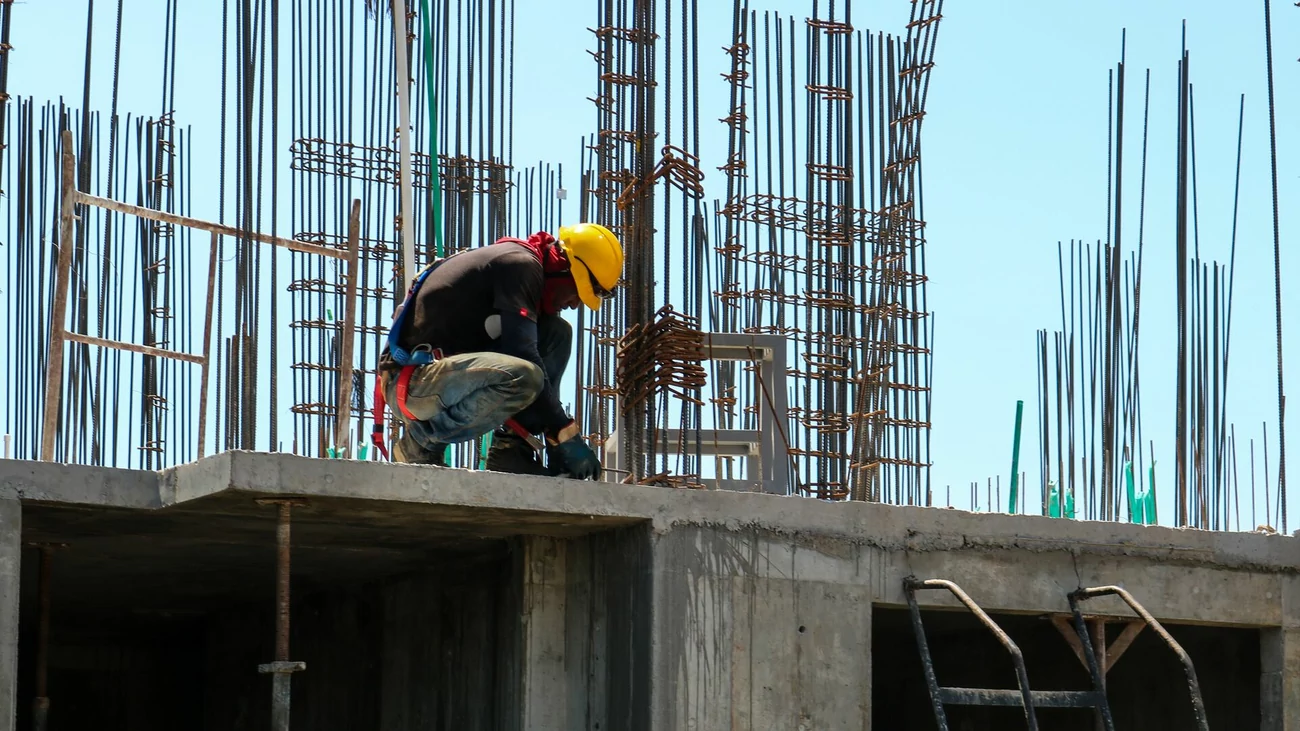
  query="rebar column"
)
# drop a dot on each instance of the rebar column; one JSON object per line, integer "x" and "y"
{"x": 282, "y": 668}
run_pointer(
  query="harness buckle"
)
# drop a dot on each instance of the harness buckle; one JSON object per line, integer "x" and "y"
{"x": 424, "y": 354}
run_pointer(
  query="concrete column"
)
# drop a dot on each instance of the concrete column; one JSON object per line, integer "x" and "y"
{"x": 1279, "y": 655}
{"x": 754, "y": 631}
{"x": 11, "y": 545}
{"x": 544, "y": 691}
{"x": 1279, "y": 686}
{"x": 585, "y": 636}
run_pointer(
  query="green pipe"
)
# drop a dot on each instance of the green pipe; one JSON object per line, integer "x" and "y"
{"x": 1015, "y": 459}
{"x": 1151, "y": 497}
{"x": 1134, "y": 507}
{"x": 435, "y": 177}
{"x": 485, "y": 445}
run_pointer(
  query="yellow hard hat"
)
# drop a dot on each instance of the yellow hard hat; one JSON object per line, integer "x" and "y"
{"x": 595, "y": 259}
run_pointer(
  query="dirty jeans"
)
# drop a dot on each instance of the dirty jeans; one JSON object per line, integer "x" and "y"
{"x": 463, "y": 396}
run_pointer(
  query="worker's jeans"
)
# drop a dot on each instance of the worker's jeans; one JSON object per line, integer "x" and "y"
{"x": 464, "y": 396}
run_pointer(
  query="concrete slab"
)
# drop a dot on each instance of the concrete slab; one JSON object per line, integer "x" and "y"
{"x": 367, "y": 518}
{"x": 546, "y": 505}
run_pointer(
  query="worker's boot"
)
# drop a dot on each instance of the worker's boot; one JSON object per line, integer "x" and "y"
{"x": 407, "y": 449}
{"x": 510, "y": 453}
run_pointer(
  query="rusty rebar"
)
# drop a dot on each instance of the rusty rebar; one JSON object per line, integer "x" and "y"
{"x": 665, "y": 357}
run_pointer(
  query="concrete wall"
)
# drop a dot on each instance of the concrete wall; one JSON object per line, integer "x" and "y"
{"x": 757, "y": 630}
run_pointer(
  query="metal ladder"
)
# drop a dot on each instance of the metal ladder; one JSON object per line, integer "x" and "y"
{"x": 1026, "y": 698}
{"x": 1198, "y": 705}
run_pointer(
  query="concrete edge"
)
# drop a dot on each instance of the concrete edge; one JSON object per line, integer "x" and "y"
{"x": 886, "y": 526}
{"x": 34, "y": 481}
{"x": 182, "y": 483}
{"x": 892, "y": 527}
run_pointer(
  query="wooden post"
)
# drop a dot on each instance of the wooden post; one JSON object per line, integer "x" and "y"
{"x": 207, "y": 345}
{"x": 59, "y": 308}
{"x": 343, "y": 409}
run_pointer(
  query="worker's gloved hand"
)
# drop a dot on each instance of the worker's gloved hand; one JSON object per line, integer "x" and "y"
{"x": 569, "y": 454}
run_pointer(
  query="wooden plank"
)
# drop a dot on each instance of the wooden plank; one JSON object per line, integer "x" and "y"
{"x": 59, "y": 307}
{"x": 142, "y": 349}
{"x": 204, "y": 373}
{"x": 1130, "y": 633}
{"x": 347, "y": 344}
{"x": 216, "y": 228}
{"x": 1071, "y": 637}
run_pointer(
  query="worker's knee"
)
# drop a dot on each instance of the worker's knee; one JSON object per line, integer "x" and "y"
{"x": 487, "y": 389}
{"x": 529, "y": 380}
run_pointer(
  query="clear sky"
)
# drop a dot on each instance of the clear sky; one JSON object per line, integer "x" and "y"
{"x": 1015, "y": 151}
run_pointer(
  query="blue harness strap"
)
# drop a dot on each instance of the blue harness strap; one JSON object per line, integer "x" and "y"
{"x": 408, "y": 359}
{"x": 422, "y": 354}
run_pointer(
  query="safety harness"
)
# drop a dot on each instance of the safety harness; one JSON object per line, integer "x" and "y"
{"x": 409, "y": 360}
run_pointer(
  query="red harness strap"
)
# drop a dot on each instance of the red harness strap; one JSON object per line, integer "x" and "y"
{"x": 403, "y": 386}
{"x": 377, "y": 428}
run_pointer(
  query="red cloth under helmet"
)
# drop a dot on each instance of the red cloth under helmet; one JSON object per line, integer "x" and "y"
{"x": 543, "y": 245}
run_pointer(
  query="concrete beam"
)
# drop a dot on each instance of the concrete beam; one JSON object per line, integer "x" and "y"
{"x": 1025, "y": 582}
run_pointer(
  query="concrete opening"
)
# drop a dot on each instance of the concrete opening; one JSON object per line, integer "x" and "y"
{"x": 159, "y": 619}
{"x": 1146, "y": 687}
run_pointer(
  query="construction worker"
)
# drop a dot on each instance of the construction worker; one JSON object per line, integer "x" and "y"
{"x": 479, "y": 345}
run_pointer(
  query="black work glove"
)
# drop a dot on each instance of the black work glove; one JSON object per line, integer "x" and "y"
{"x": 569, "y": 454}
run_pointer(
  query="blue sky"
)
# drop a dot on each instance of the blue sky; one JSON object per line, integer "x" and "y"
{"x": 1015, "y": 160}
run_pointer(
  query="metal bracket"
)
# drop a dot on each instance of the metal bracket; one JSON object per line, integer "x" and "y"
{"x": 281, "y": 667}
{"x": 293, "y": 502}
{"x": 1107, "y": 655}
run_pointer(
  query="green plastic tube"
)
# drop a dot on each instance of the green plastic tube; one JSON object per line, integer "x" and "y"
{"x": 1151, "y": 497}
{"x": 435, "y": 178}
{"x": 1015, "y": 460}
{"x": 1134, "y": 506}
